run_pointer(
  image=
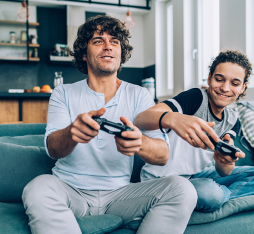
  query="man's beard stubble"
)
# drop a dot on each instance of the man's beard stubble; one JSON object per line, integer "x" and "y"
{"x": 99, "y": 71}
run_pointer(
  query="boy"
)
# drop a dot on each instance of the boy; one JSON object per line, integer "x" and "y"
{"x": 194, "y": 114}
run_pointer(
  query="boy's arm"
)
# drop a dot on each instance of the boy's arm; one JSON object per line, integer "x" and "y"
{"x": 188, "y": 127}
{"x": 225, "y": 164}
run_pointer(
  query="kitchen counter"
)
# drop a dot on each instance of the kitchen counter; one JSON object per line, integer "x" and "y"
{"x": 24, "y": 95}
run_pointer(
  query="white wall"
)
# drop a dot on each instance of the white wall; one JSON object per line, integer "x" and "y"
{"x": 232, "y": 25}
{"x": 75, "y": 17}
{"x": 178, "y": 18}
{"x": 136, "y": 40}
{"x": 235, "y": 35}
{"x": 149, "y": 36}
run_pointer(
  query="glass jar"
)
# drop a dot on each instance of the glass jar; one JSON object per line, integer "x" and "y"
{"x": 12, "y": 37}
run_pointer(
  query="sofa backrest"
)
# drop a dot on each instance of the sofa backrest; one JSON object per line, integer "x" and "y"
{"x": 22, "y": 129}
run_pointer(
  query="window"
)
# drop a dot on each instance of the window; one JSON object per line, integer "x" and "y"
{"x": 208, "y": 38}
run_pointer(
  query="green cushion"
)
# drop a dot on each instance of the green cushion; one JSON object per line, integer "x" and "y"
{"x": 13, "y": 220}
{"x": 231, "y": 207}
{"x": 241, "y": 223}
{"x": 123, "y": 231}
{"x": 19, "y": 165}
{"x": 99, "y": 224}
{"x": 29, "y": 140}
{"x": 241, "y": 143}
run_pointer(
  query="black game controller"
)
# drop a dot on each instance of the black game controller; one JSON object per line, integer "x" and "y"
{"x": 225, "y": 148}
{"x": 111, "y": 127}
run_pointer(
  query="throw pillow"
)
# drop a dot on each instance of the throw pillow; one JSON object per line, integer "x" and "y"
{"x": 19, "y": 165}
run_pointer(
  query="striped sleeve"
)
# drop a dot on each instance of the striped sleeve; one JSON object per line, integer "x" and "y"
{"x": 186, "y": 102}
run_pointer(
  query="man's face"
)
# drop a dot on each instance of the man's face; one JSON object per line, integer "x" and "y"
{"x": 226, "y": 84}
{"x": 103, "y": 54}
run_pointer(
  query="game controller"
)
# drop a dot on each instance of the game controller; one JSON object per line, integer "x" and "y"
{"x": 111, "y": 127}
{"x": 225, "y": 148}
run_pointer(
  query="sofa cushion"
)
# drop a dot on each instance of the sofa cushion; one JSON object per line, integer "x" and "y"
{"x": 99, "y": 224}
{"x": 19, "y": 165}
{"x": 246, "y": 117}
{"x": 29, "y": 140}
{"x": 13, "y": 220}
{"x": 241, "y": 223}
{"x": 241, "y": 143}
{"x": 233, "y": 206}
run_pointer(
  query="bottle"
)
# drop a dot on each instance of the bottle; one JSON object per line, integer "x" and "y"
{"x": 35, "y": 52}
{"x": 58, "y": 79}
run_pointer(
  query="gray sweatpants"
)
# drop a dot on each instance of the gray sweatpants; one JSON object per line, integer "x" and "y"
{"x": 165, "y": 205}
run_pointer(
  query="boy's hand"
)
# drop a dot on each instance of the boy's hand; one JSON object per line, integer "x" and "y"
{"x": 192, "y": 129}
{"x": 131, "y": 141}
{"x": 84, "y": 128}
{"x": 225, "y": 159}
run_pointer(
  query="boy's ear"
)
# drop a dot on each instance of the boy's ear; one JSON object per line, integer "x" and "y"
{"x": 209, "y": 78}
{"x": 84, "y": 58}
{"x": 243, "y": 88}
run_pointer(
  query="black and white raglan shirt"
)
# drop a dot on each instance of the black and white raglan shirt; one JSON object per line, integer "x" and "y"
{"x": 184, "y": 159}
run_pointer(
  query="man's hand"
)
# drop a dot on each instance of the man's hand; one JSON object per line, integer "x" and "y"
{"x": 192, "y": 129}
{"x": 224, "y": 163}
{"x": 61, "y": 143}
{"x": 131, "y": 141}
{"x": 84, "y": 128}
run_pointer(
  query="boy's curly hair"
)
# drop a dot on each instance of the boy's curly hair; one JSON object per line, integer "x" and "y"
{"x": 86, "y": 31}
{"x": 236, "y": 57}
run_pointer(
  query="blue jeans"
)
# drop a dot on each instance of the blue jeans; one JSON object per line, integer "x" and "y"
{"x": 213, "y": 190}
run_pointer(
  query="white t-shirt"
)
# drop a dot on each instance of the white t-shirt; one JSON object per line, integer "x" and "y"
{"x": 96, "y": 165}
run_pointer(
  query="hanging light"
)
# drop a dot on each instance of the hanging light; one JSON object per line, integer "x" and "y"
{"x": 129, "y": 23}
{"x": 23, "y": 12}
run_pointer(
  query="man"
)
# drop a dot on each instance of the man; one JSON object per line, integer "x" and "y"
{"x": 191, "y": 116}
{"x": 92, "y": 174}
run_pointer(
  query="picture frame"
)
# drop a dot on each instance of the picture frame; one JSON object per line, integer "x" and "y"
{"x": 23, "y": 37}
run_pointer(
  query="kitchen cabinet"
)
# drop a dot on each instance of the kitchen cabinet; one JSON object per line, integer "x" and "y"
{"x": 23, "y": 107}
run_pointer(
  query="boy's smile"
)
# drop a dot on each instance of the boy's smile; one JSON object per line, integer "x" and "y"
{"x": 225, "y": 85}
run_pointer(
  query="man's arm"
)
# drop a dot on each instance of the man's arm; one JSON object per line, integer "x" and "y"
{"x": 154, "y": 151}
{"x": 150, "y": 150}
{"x": 61, "y": 143}
{"x": 225, "y": 164}
{"x": 190, "y": 128}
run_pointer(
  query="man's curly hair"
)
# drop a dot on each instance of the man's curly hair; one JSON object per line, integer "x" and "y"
{"x": 234, "y": 57}
{"x": 86, "y": 31}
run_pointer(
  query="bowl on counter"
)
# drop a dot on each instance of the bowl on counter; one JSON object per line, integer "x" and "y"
{"x": 10, "y": 15}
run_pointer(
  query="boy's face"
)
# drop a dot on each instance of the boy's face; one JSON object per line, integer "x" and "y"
{"x": 226, "y": 84}
{"x": 103, "y": 54}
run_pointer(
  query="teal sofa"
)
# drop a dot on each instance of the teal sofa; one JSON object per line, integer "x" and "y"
{"x": 23, "y": 157}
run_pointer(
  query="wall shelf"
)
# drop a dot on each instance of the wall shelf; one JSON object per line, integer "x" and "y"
{"x": 22, "y": 23}
{"x": 18, "y": 44}
{"x": 60, "y": 58}
{"x": 20, "y": 59}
